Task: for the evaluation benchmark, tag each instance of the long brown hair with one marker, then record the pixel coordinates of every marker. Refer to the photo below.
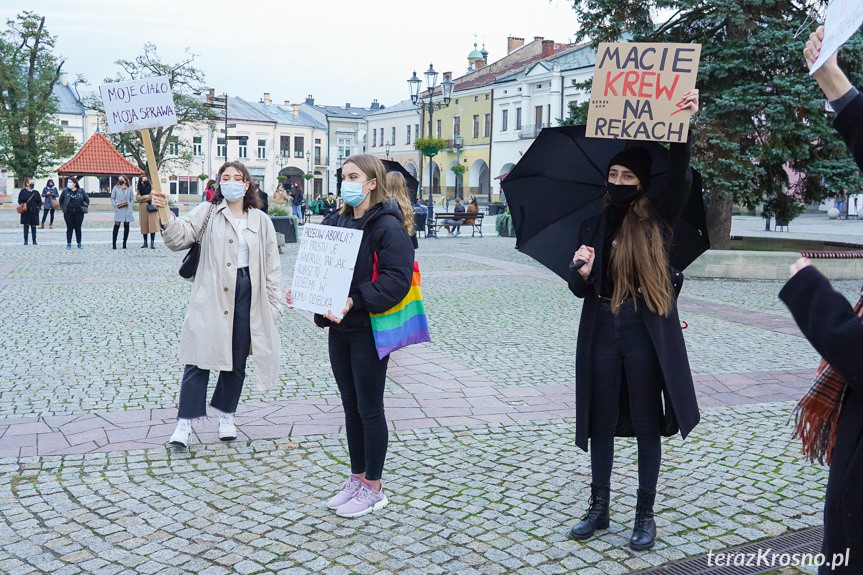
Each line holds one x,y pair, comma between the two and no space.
374,169
638,260
252,199
398,190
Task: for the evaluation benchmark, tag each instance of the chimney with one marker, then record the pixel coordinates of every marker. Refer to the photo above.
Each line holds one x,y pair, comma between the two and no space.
348,106
64,79
513,44
375,104
296,109
210,95
287,102
547,48
310,100
537,38
267,99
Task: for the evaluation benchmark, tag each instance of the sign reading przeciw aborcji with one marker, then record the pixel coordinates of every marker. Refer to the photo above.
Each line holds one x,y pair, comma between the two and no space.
638,88
324,268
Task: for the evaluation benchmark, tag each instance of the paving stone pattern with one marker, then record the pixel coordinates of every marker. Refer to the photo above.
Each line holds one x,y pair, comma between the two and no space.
482,471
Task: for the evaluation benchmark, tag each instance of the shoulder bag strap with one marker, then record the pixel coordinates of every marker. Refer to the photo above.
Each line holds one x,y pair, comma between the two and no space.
204,227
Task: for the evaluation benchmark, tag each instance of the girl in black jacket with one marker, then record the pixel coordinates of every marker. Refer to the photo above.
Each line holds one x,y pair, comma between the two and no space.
360,375
830,416
630,353
30,219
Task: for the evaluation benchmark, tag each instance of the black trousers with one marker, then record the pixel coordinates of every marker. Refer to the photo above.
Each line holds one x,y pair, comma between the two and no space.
45,215
32,229
623,348
229,386
74,219
361,378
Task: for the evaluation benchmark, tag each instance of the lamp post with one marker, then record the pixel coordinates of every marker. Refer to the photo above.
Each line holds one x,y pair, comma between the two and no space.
387,147
282,159
309,172
458,176
425,102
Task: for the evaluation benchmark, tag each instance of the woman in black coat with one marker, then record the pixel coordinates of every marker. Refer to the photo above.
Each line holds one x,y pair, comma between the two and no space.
830,419
382,278
30,219
632,374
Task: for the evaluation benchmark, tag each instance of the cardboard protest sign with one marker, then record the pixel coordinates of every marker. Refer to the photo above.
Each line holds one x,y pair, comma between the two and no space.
138,104
637,88
843,18
324,268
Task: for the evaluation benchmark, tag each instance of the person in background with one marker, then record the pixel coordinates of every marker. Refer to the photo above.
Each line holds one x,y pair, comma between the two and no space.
209,190
29,197
297,202
49,193
235,301
74,202
122,199
280,196
265,199
398,191
329,204
455,222
472,208
829,418
382,277
148,214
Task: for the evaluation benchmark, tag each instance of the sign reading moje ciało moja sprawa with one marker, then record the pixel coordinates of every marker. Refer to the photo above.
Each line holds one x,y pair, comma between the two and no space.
324,268
638,88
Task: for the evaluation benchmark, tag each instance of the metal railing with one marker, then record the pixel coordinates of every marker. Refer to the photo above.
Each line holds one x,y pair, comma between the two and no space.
529,131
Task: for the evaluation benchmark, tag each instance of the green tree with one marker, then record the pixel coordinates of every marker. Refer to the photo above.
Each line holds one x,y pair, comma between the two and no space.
187,84
31,142
760,110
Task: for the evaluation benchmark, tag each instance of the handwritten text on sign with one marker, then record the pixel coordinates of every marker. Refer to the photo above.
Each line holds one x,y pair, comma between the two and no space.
138,104
637,88
843,18
324,268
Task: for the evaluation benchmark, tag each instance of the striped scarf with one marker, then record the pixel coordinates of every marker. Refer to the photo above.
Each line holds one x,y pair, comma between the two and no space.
817,413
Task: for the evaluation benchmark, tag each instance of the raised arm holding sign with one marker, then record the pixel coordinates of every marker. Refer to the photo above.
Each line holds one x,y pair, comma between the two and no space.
140,105
639,91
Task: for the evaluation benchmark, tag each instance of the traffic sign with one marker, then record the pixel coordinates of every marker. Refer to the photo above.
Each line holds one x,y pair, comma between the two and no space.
244,138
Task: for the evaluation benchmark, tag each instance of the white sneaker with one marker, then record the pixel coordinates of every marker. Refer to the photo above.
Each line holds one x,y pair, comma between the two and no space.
457,234
227,429
181,434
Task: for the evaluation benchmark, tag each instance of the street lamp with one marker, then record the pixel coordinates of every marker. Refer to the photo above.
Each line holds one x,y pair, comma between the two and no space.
282,160
458,176
309,172
387,146
425,102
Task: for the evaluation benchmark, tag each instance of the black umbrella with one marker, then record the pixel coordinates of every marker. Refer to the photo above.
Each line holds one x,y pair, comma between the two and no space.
559,183
392,166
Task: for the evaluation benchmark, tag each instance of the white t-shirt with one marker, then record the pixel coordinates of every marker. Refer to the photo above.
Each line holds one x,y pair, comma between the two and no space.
243,258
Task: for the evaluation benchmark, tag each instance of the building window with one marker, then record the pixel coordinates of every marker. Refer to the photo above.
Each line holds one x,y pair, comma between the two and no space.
374,138
408,141
538,116
197,146
244,148
317,140
476,98
299,147
393,141
284,145
173,147
456,126
64,122
220,147
504,120
486,96
262,149
548,114
344,149
518,118
438,128
416,131
486,125
476,125
318,154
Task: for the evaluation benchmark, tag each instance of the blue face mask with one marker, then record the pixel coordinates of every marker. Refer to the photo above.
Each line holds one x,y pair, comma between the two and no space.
70,185
232,191
352,193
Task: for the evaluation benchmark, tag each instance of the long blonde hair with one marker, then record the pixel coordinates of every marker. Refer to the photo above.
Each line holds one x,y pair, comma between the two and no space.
638,259
373,168
398,190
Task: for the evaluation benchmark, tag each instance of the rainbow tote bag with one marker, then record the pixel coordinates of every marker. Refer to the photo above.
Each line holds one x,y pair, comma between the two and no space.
405,323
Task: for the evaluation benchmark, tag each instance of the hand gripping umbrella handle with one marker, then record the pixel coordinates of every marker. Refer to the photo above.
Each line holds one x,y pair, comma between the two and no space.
574,267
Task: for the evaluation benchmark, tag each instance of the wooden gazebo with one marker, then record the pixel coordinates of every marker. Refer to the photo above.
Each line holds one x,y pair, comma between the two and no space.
98,157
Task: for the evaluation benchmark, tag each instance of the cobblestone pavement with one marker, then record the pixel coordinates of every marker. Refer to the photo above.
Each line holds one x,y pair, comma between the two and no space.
482,474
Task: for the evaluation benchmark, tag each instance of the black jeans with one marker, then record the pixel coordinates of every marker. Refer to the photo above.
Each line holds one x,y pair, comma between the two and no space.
28,227
74,219
229,386
623,347
45,215
361,378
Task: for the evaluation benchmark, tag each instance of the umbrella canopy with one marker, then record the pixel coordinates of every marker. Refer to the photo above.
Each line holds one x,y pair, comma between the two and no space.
560,182
391,166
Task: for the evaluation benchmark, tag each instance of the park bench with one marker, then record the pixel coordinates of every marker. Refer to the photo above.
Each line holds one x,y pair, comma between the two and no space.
439,218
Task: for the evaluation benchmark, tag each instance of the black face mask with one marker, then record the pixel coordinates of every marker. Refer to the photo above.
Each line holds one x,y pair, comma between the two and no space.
621,195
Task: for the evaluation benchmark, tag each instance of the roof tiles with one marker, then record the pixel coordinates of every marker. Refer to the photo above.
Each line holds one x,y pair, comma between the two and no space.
98,157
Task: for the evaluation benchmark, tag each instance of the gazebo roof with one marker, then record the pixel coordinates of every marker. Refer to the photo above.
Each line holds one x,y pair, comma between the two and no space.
98,157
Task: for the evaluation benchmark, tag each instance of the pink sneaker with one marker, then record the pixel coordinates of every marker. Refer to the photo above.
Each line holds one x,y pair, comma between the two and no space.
364,501
351,486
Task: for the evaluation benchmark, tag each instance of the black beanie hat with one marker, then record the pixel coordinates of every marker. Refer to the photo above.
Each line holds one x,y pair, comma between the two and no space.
636,159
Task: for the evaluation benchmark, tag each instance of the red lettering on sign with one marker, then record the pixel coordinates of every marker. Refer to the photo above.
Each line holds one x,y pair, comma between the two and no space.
629,82
609,83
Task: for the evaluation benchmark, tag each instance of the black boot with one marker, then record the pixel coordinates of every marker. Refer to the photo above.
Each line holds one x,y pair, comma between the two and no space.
153,241
145,241
597,513
644,532
114,240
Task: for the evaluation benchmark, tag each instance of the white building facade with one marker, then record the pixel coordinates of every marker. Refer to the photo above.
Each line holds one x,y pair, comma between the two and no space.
392,133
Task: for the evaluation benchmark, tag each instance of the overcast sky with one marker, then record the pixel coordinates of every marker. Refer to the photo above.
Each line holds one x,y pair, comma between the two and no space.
338,50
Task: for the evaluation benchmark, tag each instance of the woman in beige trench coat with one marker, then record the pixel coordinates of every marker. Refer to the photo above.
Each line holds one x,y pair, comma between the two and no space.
149,219
235,305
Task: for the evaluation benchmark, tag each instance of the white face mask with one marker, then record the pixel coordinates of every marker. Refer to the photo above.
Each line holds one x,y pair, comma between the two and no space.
232,191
